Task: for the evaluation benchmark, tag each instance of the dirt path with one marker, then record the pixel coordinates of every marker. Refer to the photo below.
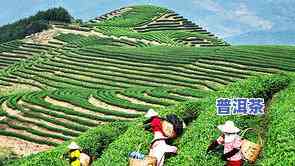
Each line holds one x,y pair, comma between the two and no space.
69,105
147,69
80,109
30,121
20,102
163,17
95,33
203,70
9,110
50,116
90,79
62,113
46,36
42,37
15,88
10,54
234,65
115,13
136,101
98,103
182,96
22,147
145,94
28,134
152,81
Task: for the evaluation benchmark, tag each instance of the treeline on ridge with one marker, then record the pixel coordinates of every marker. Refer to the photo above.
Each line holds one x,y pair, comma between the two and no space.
33,24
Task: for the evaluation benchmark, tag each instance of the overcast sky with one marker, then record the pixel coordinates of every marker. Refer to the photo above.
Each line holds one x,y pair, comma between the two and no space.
223,17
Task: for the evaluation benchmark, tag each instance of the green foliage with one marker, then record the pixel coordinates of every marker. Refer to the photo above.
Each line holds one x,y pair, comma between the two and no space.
196,139
33,24
110,97
190,92
158,76
93,141
137,15
128,24
112,67
279,146
55,14
80,98
117,153
139,93
81,41
37,98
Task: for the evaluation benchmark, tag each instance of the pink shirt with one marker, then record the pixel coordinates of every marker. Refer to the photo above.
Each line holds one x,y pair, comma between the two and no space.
160,148
230,146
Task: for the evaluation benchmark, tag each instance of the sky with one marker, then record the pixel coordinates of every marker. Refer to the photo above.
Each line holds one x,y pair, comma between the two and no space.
225,18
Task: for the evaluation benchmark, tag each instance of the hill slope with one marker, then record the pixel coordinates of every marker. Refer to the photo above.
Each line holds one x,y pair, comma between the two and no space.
156,24
33,24
93,83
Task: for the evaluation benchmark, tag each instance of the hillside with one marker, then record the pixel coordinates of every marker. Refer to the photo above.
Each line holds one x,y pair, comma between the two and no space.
93,83
156,24
33,24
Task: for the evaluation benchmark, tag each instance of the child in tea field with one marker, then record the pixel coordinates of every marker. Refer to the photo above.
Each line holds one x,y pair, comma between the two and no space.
232,144
76,157
159,147
165,129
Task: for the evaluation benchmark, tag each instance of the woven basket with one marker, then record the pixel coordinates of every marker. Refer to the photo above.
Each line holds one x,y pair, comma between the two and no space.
168,129
151,160
136,162
251,150
148,161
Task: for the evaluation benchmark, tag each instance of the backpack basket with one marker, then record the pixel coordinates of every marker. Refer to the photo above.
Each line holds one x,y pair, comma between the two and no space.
147,161
251,150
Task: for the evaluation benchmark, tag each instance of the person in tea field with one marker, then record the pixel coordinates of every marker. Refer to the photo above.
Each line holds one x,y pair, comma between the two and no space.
76,156
232,144
159,146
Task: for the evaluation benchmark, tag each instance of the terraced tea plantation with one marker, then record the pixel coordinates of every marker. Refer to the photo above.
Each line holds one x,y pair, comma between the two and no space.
94,83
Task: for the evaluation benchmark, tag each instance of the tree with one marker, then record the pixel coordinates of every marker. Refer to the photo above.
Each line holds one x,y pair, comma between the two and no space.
33,24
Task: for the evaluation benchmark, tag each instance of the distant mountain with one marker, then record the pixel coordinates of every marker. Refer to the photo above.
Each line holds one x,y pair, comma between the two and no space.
264,37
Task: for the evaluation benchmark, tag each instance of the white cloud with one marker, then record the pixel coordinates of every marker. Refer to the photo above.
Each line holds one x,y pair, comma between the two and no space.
209,5
244,15
226,32
241,14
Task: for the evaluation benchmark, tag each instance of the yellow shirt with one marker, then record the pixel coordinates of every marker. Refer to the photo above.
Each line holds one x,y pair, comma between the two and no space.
76,163
75,154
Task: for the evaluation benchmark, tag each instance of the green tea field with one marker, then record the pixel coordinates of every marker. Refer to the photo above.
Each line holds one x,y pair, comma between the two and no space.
93,83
